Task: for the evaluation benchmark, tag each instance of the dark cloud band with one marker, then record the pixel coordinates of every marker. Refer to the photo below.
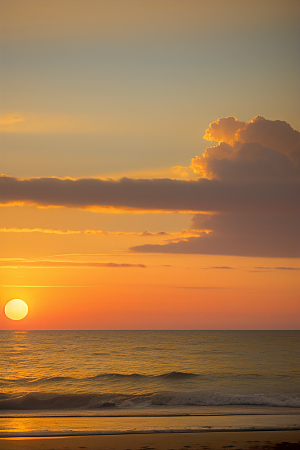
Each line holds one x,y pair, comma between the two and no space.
156,194
259,235
68,264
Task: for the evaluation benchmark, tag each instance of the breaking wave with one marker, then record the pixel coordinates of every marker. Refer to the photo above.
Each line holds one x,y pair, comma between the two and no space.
42,401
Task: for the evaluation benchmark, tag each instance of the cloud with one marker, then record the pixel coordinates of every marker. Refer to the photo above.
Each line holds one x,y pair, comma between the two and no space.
277,268
173,235
224,129
151,195
258,150
67,264
182,173
275,134
175,172
39,230
242,162
247,154
248,183
199,287
259,235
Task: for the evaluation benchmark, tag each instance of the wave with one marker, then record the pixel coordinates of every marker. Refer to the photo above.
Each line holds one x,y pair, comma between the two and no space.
107,376
172,376
167,376
116,376
31,380
178,375
42,401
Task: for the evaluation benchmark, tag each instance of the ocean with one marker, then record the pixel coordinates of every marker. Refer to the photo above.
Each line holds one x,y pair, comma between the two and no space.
56,383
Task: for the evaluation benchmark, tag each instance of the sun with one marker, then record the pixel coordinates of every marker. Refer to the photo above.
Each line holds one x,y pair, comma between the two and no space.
16,309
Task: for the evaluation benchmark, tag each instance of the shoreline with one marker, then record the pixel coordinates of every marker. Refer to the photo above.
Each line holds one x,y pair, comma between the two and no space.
39,427
194,411
214,440
208,429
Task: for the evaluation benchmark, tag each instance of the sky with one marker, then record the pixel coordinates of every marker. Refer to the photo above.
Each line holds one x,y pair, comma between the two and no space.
150,163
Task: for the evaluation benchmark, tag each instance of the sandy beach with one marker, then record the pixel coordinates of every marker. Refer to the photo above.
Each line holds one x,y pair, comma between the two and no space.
253,440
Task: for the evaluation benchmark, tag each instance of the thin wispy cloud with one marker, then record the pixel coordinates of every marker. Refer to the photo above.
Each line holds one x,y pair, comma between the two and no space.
68,264
200,287
173,235
277,268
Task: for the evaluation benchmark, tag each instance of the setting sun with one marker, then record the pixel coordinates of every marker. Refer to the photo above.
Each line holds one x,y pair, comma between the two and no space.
16,309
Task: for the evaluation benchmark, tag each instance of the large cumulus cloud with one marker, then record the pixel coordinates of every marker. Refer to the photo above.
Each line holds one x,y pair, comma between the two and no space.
275,134
258,150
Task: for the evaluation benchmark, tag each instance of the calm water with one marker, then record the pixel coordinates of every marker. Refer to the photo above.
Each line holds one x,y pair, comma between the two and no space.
110,373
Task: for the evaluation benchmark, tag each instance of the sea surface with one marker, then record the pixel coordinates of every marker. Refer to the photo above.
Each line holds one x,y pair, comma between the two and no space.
108,382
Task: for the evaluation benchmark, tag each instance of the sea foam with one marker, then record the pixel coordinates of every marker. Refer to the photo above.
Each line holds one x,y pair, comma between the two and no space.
51,401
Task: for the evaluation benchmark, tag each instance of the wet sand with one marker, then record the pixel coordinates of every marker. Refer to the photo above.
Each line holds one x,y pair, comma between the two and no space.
250,440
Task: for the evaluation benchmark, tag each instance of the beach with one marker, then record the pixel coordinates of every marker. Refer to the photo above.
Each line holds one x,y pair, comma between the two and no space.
252,440
149,390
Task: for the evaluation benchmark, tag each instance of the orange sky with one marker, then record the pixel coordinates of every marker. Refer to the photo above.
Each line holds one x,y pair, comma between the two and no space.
201,233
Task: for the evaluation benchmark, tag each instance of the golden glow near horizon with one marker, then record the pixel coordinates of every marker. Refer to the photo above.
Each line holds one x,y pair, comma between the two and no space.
16,309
